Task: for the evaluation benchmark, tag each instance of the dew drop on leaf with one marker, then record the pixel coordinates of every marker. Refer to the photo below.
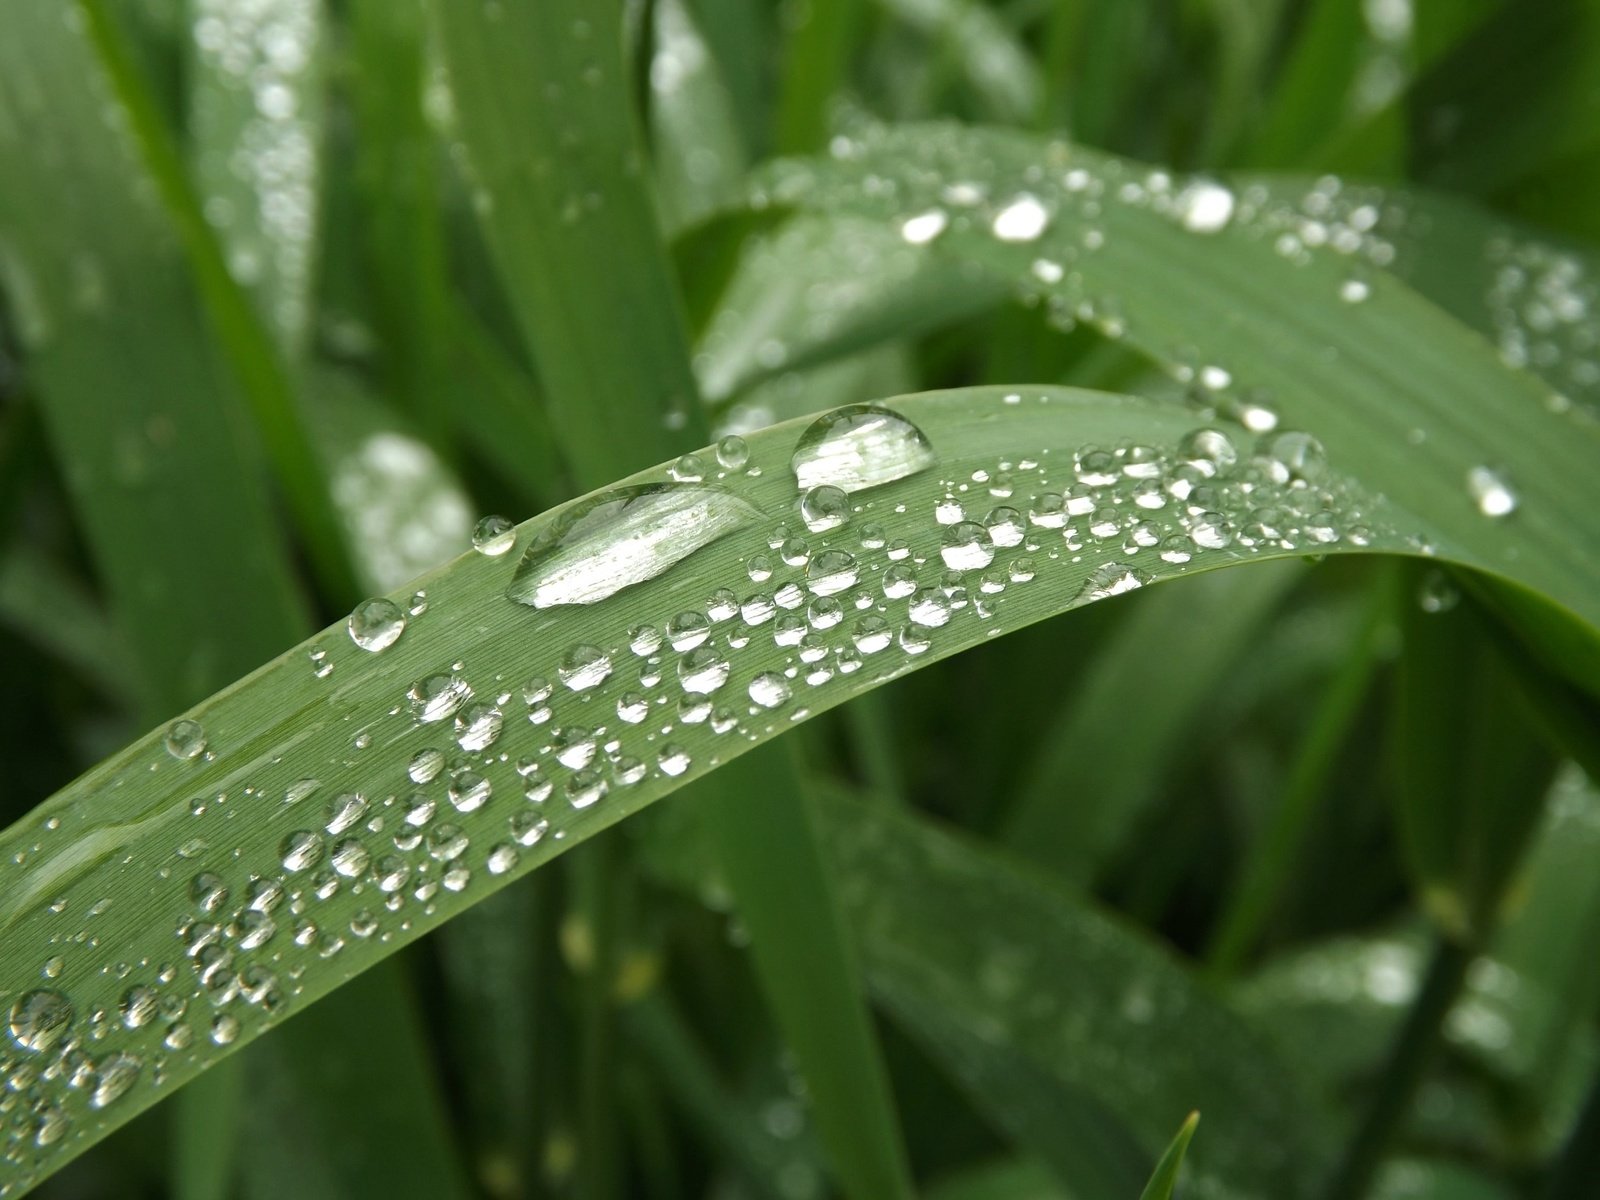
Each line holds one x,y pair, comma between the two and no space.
493,536
376,624
860,446
185,740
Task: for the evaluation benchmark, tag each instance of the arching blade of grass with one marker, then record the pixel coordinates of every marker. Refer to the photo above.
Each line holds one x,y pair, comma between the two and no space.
1006,978
1281,334
286,743
700,155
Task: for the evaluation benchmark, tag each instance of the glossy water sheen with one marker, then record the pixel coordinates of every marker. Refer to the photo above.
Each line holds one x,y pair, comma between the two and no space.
623,537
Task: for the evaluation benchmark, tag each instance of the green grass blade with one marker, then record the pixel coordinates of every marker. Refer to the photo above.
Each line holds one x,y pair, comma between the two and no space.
996,65
758,818
256,118
354,729
1020,1179
972,952
1257,327
700,155
1075,805
1166,1173
239,335
107,309
542,114
43,604
816,63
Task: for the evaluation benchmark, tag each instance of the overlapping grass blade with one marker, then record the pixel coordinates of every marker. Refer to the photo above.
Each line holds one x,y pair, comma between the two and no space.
1166,1172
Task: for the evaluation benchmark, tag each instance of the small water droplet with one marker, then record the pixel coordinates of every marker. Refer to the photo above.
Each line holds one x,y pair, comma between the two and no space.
376,624
185,740
823,508
966,547
117,1075
437,696
769,689
40,1019
1491,492
584,667
1205,206
425,766
922,228
1111,579
732,453
493,536
831,572
301,850
703,671
689,469
1022,220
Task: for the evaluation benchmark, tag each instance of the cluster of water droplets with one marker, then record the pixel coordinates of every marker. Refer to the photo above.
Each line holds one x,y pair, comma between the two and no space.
488,769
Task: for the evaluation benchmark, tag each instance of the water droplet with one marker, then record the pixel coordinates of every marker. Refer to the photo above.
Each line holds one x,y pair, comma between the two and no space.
703,671
1490,492
40,1019
502,858
437,697
1209,451
1437,593
584,667
425,766
831,572
899,581
376,624
871,634
446,842
118,1074
185,740
929,607
623,537
586,788
478,727
732,453
301,850
673,759
575,747
1292,457
1205,206
528,828
769,689
966,547
224,1029
1354,290
859,446
1023,220
1111,579
493,536
345,811
924,227
823,508
468,791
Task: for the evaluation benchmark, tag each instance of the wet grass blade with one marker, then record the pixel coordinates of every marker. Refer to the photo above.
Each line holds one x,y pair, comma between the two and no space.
298,739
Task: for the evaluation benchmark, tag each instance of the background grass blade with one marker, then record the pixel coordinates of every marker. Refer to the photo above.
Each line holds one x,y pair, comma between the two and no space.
1166,1173
957,944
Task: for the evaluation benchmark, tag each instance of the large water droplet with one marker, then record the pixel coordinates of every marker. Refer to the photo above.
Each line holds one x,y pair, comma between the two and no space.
40,1019
376,624
623,537
437,697
860,446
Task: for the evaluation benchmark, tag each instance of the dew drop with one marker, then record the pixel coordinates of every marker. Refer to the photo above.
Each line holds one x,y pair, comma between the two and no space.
922,228
478,728
493,536
966,547
673,759
824,507
425,766
732,453
1205,206
301,850
376,624
1491,492
1111,579
584,667
703,671
859,446
437,696
1023,220
831,572
185,740
117,1075
40,1019
769,689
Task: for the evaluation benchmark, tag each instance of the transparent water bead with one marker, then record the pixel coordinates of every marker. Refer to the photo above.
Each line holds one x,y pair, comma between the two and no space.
769,689
376,624
732,453
860,446
1491,492
824,508
966,547
584,667
623,537
831,572
493,536
40,1019
1111,579
117,1075
1022,220
1205,206
437,696
186,740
